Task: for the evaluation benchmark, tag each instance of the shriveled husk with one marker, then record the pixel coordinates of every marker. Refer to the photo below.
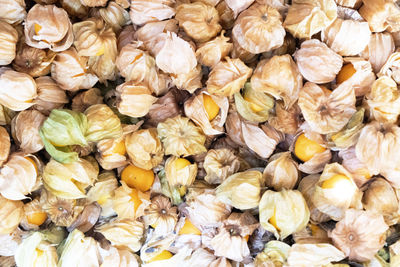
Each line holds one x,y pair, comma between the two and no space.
326,111
199,20
181,137
119,258
166,107
103,191
49,95
19,176
115,15
336,200
5,145
8,42
33,61
230,241
179,177
285,120
308,17
144,11
259,29
124,205
144,148
391,67
36,251
358,170
75,8
123,233
195,110
289,209
274,254
381,15
360,234
11,214
69,70
70,180
85,99
213,51
303,255
102,123
219,164
135,100
161,215
13,11
281,172
279,77
226,15
347,37
17,89
379,49
317,62
190,81
48,26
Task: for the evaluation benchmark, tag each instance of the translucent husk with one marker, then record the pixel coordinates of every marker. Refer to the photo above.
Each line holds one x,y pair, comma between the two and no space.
10,243
143,11
228,77
379,49
75,8
391,67
54,31
179,177
31,208
274,254
394,250
349,3
213,51
13,11
381,15
307,17
119,258
336,200
360,234
279,77
124,205
17,89
201,256
190,81
219,164
8,42
102,123
259,29
85,99
312,234
5,145
49,95
11,214
313,255
161,215
103,191
289,209
358,170
115,15
317,62
281,172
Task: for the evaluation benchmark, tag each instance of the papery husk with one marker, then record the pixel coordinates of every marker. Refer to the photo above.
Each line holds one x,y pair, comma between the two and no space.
144,148
195,110
56,36
181,137
241,53
33,61
213,51
285,120
274,254
8,43
201,256
49,95
69,180
87,219
349,3
326,111
317,62
219,164
190,81
228,77
383,101
119,258
358,170
143,11
226,15
5,145
230,241
103,191
115,15
175,260
126,36
25,128
379,49
289,209
179,177
69,70
279,77
334,201
394,250
199,20
360,234
93,3
161,215
238,6
259,29
107,157
13,11
241,190
11,214
391,67
124,207
303,255
307,17
281,172
75,8
31,208
19,176
36,251
288,46
312,234
103,123
221,262
347,37
135,100
85,99
381,15
10,243
17,89
6,115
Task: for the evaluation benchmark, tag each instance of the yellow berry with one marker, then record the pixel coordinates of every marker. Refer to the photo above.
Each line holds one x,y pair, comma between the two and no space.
305,148
135,198
138,178
164,255
119,148
189,229
37,28
36,218
34,164
337,180
181,163
254,107
212,109
345,73
272,221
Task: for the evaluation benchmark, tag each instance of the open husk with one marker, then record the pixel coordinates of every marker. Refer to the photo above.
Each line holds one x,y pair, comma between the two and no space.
281,172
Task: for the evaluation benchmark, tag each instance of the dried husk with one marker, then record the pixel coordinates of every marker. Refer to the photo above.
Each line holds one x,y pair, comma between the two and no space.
49,95
124,205
13,11
289,209
238,6
226,15
381,15
69,70
201,256
199,20
8,43
349,3
11,214
179,177
303,255
317,62
87,219
85,99
161,215
181,137
48,26
347,37
228,77
115,15
103,191
10,243
379,49
219,164
144,11
119,258
391,67
279,77
312,234
336,200
175,260
307,17
190,81
358,170
75,8
126,36
213,51
17,89
285,120
5,145
93,3
326,111
31,208
259,29
110,156
281,172
274,254
135,100
103,123
360,234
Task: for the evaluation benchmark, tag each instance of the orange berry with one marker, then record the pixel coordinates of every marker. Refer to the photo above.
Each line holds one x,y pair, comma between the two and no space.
305,148
189,229
345,73
212,109
36,218
138,178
